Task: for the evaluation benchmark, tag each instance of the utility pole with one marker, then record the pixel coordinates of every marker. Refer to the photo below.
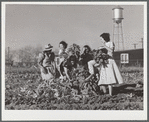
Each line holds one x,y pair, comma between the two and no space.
134,46
142,42
8,54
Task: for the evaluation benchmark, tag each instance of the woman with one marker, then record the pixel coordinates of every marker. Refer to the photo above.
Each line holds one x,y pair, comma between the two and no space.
63,56
47,64
70,66
94,67
110,73
86,56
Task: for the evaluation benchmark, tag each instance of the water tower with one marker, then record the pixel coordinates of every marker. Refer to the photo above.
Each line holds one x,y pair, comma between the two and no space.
117,28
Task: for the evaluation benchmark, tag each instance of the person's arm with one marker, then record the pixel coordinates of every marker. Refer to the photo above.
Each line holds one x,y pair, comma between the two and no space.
91,70
110,48
40,60
40,63
83,51
98,64
89,77
52,56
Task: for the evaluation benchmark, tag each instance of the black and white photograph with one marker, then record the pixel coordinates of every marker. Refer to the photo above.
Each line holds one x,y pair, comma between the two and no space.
74,60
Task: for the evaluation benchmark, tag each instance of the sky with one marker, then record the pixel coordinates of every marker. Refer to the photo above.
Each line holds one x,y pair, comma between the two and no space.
38,25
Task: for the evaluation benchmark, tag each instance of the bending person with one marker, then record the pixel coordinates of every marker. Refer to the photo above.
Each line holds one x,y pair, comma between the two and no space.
86,56
70,66
47,64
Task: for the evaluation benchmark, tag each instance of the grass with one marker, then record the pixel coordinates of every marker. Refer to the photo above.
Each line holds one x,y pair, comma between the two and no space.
131,69
21,69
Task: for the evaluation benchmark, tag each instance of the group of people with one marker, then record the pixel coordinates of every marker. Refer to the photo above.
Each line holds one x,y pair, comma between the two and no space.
107,73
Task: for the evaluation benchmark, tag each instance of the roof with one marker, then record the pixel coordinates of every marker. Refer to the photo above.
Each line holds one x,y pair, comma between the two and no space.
128,50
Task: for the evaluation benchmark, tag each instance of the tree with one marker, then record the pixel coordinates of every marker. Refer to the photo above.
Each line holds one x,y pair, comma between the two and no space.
9,54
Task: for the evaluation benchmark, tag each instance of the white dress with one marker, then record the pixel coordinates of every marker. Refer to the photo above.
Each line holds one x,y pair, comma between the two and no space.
110,74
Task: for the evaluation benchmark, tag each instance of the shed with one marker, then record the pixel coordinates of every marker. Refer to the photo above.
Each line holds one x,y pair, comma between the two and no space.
132,57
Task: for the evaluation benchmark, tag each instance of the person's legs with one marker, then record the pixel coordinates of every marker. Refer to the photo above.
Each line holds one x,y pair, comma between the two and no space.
110,90
61,70
103,89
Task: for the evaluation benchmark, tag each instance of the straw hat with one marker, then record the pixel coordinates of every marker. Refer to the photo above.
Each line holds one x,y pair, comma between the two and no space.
48,47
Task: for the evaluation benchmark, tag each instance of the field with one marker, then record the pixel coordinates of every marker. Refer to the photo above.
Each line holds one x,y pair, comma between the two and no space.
25,90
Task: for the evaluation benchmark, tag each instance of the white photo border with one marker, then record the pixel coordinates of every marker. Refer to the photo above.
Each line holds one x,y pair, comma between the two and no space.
73,114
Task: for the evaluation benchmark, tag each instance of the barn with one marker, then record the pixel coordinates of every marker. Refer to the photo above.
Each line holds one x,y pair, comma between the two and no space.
133,57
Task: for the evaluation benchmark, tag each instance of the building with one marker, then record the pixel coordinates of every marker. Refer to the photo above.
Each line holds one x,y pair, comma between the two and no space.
132,57
8,62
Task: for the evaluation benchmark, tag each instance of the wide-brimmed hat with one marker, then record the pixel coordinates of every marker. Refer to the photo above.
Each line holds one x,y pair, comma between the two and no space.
48,47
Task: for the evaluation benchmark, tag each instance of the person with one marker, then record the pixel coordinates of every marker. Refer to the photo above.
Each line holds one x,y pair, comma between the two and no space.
85,56
70,66
63,57
47,64
94,67
109,74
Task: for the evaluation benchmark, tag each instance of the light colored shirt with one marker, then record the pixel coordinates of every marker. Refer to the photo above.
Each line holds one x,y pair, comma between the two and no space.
44,59
110,45
62,55
91,66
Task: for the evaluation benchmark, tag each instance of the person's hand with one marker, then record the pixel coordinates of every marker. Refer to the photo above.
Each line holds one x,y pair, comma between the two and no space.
62,77
101,60
97,76
96,65
83,50
70,80
80,59
101,47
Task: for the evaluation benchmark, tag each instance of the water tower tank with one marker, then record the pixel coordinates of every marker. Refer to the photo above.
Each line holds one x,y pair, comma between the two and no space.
117,14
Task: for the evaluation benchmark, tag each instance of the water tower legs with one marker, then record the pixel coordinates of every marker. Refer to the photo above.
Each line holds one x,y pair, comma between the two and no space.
118,36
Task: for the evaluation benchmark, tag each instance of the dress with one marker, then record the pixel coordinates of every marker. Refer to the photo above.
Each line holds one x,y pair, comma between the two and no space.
48,71
110,74
63,58
62,55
